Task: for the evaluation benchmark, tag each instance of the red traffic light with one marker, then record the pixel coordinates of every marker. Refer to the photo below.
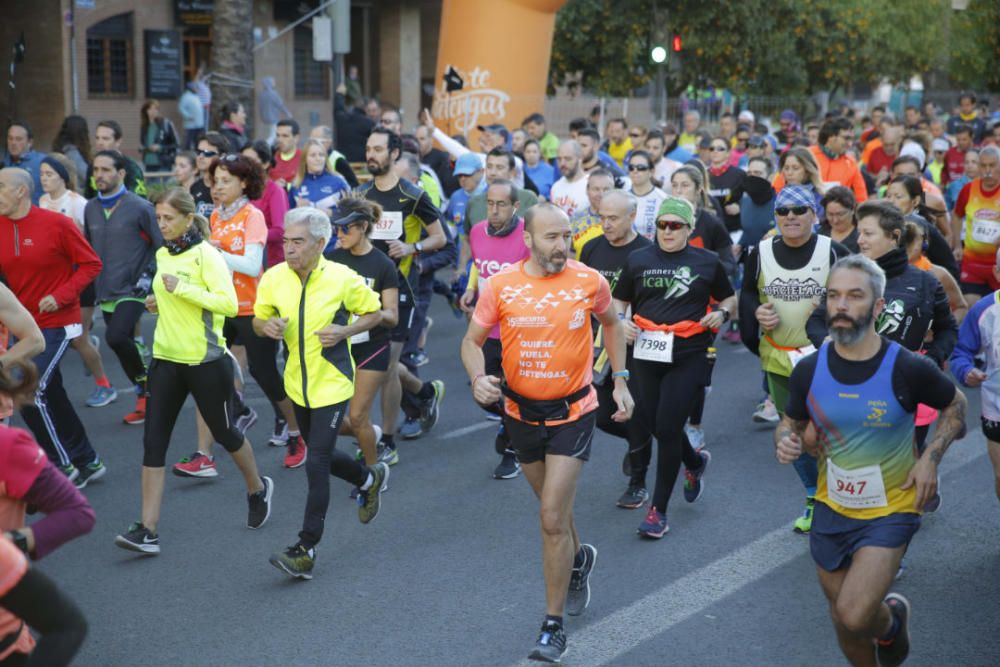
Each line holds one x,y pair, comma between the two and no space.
676,43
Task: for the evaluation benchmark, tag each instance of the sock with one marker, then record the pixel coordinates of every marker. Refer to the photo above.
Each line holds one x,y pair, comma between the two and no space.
426,392
293,434
103,382
387,440
810,492
368,482
553,620
580,559
893,629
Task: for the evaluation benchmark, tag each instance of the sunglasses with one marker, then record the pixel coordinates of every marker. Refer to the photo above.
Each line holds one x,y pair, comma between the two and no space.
718,149
672,225
638,167
785,210
230,157
346,229
207,153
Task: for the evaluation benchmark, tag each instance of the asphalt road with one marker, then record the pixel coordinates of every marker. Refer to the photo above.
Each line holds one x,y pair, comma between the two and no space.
450,572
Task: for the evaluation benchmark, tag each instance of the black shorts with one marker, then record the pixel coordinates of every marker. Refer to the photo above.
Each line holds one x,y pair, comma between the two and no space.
991,429
88,297
406,309
371,356
834,538
532,442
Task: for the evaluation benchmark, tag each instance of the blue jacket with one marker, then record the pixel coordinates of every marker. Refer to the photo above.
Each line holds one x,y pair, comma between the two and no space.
975,337
323,190
31,162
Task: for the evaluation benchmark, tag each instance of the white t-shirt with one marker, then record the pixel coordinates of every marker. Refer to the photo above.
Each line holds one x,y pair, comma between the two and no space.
570,197
664,169
645,212
71,204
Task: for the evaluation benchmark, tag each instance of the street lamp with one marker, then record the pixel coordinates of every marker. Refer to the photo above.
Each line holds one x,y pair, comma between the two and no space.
658,54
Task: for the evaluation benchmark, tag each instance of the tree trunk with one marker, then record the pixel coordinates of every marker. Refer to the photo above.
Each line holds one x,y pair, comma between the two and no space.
231,62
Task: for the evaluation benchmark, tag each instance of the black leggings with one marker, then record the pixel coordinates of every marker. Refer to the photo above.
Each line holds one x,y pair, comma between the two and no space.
635,431
210,383
53,615
120,332
666,395
262,355
319,427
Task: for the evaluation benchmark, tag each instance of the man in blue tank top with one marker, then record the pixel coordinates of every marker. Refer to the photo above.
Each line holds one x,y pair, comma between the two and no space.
851,405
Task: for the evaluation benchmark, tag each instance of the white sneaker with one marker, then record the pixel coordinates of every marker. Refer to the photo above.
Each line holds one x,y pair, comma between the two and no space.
766,413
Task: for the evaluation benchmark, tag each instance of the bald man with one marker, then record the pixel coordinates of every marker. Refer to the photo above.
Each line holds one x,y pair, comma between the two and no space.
570,192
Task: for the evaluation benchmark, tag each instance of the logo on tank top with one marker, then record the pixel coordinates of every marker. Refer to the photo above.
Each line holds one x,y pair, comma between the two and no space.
878,409
794,289
891,317
578,320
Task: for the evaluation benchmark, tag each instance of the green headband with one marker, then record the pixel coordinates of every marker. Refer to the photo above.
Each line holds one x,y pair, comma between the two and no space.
679,207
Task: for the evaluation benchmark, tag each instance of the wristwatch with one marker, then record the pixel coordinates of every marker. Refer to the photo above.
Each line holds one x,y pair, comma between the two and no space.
418,248
19,539
726,315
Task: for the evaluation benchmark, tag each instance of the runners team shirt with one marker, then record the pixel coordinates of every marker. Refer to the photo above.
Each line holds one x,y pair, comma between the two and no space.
571,197
545,331
794,293
673,287
585,225
379,273
863,412
245,228
493,254
981,210
406,210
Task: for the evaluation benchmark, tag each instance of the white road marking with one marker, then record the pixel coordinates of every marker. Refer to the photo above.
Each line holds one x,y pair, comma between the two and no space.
622,631
458,433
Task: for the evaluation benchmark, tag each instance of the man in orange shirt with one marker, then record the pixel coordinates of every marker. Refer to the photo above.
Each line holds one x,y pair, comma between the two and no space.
544,306
836,167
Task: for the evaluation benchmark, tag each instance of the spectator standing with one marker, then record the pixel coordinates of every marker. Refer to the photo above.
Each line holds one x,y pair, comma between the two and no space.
73,141
158,138
192,116
271,107
21,154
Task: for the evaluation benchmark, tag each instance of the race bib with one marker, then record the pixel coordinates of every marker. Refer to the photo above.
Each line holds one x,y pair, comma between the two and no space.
985,231
795,356
358,338
390,227
654,346
861,488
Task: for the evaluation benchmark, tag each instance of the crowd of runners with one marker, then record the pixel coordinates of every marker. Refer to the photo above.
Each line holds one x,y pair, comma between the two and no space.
859,258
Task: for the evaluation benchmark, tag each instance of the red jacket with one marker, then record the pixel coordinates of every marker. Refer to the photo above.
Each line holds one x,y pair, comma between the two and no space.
44,253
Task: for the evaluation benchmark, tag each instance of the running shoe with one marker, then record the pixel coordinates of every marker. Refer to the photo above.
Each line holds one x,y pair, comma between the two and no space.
296,561
419,358
101,396
901,570
196,465
369,501
139,539
70,471
732,336
693,486
296,454
91,472
578,596
360,456
387,455
96,342
260,504
432,409
766,413
654,525
137,416
894,651
804,523
635,496
492,416
245,420
508,468
696,435
411,429
279,436
551,644
501,443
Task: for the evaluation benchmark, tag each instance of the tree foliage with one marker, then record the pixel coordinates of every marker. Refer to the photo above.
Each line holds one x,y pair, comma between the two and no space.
975,46
759,46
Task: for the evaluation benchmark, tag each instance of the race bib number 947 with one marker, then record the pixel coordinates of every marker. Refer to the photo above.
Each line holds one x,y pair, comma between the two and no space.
860,488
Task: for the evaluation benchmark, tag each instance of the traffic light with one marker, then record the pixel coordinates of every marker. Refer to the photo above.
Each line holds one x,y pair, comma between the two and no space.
676,43
658,54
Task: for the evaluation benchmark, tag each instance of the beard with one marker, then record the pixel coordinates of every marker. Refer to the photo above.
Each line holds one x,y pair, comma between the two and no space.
378,168
554,262
851,334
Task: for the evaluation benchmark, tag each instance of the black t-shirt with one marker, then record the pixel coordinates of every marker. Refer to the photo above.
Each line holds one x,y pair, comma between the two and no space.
671,287
202,195
711,234
727,187
379,273
914,379
850,241
608,260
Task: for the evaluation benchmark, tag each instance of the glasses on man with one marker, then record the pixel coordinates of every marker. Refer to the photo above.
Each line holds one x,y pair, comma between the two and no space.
638,167
785,210
672,225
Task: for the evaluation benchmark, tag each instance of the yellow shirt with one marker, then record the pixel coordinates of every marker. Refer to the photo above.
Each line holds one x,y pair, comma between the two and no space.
619,151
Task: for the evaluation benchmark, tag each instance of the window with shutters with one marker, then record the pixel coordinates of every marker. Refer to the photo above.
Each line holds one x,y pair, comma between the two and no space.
110,63
312,78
